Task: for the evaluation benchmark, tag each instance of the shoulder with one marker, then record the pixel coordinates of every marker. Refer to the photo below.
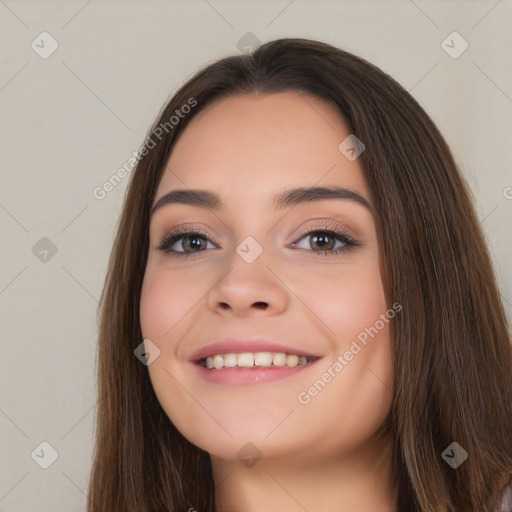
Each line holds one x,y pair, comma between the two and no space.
504,503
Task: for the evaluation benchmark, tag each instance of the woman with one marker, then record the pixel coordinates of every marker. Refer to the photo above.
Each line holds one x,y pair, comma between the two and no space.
300,312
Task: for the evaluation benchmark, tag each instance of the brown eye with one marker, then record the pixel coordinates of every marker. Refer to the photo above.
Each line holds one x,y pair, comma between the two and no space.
184,243
323,242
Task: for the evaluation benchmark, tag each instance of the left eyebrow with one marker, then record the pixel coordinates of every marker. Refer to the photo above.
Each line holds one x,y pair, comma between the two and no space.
292,197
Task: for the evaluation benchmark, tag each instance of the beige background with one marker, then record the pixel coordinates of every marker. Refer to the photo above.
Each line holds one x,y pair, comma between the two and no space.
70,120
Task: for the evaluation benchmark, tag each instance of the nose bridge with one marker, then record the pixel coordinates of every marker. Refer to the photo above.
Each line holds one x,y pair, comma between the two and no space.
253,248
250,231
250,249
248,282
248,264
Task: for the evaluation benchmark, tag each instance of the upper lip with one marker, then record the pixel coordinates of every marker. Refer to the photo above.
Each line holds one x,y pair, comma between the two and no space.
238,346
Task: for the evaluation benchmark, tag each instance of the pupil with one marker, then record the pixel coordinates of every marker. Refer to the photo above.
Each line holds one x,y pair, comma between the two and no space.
322,239
195,242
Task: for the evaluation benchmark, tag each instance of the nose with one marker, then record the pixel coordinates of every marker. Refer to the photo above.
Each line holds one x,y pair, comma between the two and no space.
257,305
249,289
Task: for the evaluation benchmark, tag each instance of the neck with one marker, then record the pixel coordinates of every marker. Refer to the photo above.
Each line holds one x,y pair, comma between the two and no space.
361,480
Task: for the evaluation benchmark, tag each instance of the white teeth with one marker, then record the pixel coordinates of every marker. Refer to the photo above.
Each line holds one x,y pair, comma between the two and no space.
218,362
279,359
263,359
260,359
292,360
230,360
246,360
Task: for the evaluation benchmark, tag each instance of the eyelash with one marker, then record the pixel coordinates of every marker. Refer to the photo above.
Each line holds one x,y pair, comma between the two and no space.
329,228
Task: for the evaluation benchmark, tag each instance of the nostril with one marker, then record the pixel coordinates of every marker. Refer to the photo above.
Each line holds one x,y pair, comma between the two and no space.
261,305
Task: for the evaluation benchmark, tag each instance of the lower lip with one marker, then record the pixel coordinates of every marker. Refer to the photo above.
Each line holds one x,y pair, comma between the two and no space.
252,375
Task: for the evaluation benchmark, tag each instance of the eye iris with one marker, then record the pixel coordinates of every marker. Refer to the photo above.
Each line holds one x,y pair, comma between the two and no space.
321,239
194,242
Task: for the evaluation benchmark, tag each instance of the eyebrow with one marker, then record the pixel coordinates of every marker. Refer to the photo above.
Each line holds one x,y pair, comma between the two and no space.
211,200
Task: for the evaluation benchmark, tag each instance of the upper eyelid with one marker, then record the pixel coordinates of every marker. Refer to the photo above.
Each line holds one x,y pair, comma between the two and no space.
320,223
181,234
336,229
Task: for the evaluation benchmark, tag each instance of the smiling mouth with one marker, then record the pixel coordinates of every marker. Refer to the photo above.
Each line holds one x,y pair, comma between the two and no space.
255,360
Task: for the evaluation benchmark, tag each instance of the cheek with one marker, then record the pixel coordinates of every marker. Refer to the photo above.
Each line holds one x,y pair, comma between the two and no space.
351,304
164,302
347,299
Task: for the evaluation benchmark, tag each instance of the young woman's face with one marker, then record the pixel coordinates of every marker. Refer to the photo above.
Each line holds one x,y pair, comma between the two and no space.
271,277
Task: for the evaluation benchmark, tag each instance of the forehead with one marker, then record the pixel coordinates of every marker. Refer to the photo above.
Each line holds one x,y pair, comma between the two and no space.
249,146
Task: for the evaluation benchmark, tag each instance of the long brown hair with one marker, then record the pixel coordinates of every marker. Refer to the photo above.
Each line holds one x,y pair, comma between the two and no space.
452,349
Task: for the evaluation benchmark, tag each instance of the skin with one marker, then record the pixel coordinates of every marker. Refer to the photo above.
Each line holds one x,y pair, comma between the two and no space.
322,456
